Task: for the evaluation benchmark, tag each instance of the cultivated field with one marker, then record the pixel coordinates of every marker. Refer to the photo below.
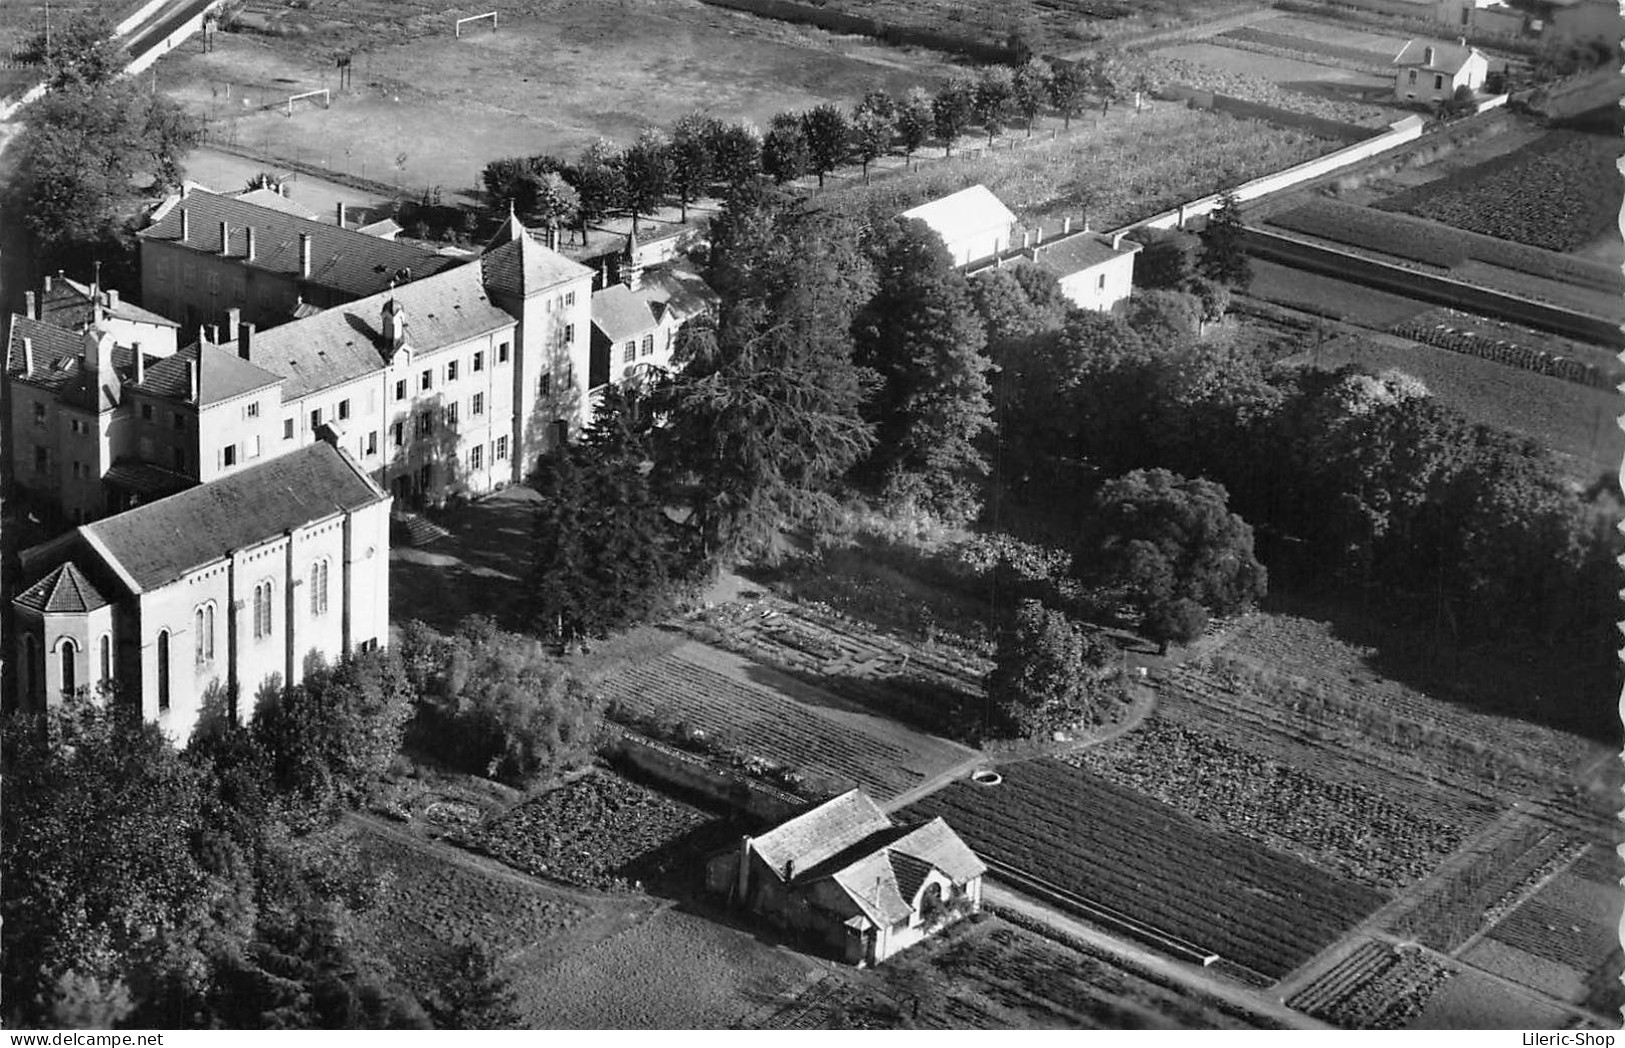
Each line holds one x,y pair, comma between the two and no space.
600,831
1258,909
767,713
989,974
1329,297
543,83
1051,25
1559,192
1576,423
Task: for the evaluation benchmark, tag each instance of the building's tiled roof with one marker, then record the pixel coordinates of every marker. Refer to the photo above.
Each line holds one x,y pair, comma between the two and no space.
276,202
387,228
965,214
70,304
56,353
871,883
883,873
621,313
161,541
816,835
345,260
146,480
516,263
345,342
1078,252
936,844
64,590
1447,57
222,375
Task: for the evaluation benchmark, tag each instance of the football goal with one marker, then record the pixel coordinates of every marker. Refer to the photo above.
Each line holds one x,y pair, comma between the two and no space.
461,22
310,97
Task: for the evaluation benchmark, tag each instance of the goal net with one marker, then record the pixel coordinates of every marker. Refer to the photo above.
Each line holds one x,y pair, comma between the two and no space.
318,98
468,22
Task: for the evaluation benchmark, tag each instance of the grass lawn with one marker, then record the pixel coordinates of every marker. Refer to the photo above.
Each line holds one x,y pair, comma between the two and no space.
548,82
1329,296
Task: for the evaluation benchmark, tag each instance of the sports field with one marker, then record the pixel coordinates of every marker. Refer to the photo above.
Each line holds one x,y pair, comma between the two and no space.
431,109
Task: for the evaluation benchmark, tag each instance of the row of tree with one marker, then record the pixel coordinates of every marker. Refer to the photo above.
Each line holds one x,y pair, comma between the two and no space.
699,152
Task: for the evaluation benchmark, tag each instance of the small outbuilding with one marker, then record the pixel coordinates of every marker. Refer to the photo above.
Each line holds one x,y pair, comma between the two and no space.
847,876
1430,71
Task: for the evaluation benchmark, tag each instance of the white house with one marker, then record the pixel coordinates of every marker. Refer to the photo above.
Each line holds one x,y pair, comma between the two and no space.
1430,71
973,223
1095,271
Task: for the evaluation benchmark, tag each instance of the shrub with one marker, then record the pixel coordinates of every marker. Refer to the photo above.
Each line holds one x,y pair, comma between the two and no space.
1047,673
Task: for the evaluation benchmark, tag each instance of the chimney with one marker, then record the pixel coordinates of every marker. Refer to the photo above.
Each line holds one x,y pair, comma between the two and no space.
234,318
304,254
225,238
140,364
245,340
1038,235
1461,41
186,225
30,306
47,283
202,336
112,298
1117,241
214,334
1427,56
338,209
1026,239
1066,225
248,243
192,370
28,353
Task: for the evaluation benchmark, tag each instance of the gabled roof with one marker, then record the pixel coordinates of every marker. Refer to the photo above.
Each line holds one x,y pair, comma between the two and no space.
936,844
64,590
882,875
621,313
71,304
965,214
345,260
387,228
516,263
159,542
276,202
1079,251
222,375
813,836
344,343
56,353
1447,57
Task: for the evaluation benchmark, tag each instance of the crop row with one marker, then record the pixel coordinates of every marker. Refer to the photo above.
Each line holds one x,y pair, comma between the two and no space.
761,721
1340,826
1558,193
1115,847
1475,895
1599,864
1392,994
1558,934
600,831
1501,351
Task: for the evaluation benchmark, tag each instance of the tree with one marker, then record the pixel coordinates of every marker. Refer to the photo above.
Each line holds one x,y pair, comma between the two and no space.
995,94
80,53
921,334
1224,252
599,180
263,180
827,133
555,202
872,133
1047,674
1032,89
1067,84
498,704
736,153
602,552
1166,318
785,155
952,109
476,996
1104,73
763,414
88,156
1177,621
914,122
880,103
1167,259
646,167
1163,537
690,156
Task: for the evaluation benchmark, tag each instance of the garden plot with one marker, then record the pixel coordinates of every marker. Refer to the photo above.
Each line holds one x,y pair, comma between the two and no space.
1472,1000
1377,987
600,831
936,686
1258,909
764,713
1316,34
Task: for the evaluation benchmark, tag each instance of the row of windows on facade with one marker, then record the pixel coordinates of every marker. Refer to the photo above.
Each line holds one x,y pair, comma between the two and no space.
203,617
82,426
1438,80
68,655
631,352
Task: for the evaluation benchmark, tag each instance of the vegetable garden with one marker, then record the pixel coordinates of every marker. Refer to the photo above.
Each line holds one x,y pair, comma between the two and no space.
1558,193
1258,909
1377,987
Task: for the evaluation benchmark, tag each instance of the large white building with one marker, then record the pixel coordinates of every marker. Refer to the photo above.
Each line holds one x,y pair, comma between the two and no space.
234,585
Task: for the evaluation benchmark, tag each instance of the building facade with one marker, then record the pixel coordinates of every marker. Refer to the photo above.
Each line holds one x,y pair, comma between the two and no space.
229,587
1429,72
1094,271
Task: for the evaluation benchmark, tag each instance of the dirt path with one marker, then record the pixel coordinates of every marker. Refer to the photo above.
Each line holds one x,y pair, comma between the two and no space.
1261,1003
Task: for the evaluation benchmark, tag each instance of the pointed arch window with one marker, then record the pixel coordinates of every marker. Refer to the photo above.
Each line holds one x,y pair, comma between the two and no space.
163,670
70,659
318,587
107,659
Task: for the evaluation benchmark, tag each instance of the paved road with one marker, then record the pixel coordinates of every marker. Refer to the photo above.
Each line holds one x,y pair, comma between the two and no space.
1258,1002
